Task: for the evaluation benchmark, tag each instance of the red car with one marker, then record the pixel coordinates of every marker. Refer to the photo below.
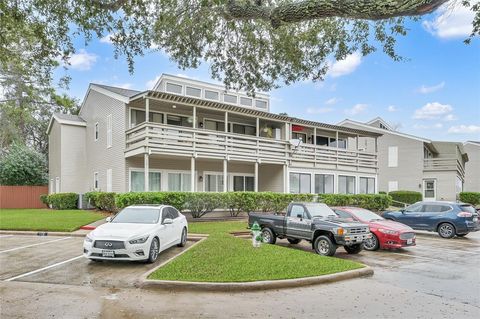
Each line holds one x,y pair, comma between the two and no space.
387,234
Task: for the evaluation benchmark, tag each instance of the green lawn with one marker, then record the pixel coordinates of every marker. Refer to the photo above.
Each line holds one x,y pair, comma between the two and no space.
46,219
224,258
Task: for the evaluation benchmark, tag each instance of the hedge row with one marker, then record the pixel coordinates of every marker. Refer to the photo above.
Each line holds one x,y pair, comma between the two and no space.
407,197
472,198
375,202
60,200
102,200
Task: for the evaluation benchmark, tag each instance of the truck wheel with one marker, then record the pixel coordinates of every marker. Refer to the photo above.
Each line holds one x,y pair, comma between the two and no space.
354,249
324,246
268,236
294,241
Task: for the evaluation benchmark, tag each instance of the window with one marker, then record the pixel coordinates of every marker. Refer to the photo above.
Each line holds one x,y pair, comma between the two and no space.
299,136
323,184
346,184
173,212
243,183
137,181
261,104
342,143
109,131
392,186
211,95
174,88
95,132
432,208
109,180
228,98
322,140
214,182
300,183
244,129
138,116
179,120
393,156
414,208
95,181
179,182
383,126
297,211
214,125
193,92
367,185
246,101
429,191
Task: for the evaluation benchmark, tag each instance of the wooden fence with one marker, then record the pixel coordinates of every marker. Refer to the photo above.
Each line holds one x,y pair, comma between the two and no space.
22,196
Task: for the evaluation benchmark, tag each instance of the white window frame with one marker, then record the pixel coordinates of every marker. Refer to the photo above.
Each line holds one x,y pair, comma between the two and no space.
109,131
230,177
230,128
325,174
142,170
109,180
205,95
374,184
195,88
312,180
96,132
173,83
355,186
213,120
393,156
130,124
96,180
205,173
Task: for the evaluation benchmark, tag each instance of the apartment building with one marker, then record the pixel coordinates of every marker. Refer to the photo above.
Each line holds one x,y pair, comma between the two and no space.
189,135
407,162
472,167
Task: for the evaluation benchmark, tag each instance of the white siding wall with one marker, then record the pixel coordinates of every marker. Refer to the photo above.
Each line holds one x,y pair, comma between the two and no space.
472,168
73,159
54,157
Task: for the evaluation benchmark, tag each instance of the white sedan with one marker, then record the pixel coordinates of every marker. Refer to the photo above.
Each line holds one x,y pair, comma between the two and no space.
137,233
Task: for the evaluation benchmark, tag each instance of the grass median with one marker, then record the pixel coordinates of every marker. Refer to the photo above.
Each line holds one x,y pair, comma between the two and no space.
224,258
46,219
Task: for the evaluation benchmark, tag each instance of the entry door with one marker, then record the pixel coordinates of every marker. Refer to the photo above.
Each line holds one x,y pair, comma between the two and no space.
429,189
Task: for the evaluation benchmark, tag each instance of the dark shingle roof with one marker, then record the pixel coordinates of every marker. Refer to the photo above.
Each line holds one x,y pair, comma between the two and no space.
121,91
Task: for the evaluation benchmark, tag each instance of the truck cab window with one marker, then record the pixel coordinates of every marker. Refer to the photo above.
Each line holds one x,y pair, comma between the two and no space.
297,210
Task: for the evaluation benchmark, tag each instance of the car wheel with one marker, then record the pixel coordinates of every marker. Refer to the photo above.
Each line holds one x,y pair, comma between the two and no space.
354,249
183,241
462,235
268,236
294,241
154,250
372,243
324,246
446,230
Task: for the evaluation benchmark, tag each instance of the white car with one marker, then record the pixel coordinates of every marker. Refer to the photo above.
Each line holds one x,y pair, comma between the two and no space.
137,233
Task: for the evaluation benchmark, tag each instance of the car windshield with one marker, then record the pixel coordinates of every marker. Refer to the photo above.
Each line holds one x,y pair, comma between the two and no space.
320,210
138,216
365,215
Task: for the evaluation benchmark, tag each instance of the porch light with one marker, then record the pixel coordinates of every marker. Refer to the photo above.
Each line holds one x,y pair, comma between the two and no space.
200,124
174,106
200,178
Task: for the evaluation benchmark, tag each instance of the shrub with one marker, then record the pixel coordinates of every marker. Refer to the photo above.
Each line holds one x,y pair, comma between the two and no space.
472,198
408,197
44,199
375,202
175,199
102,200
63,200
21,165
200,204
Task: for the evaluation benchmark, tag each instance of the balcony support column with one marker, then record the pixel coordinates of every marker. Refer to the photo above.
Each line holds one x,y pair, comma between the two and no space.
147,110
256,177
192,174
194,124
225,175
146,164
226,122
286,179
257,127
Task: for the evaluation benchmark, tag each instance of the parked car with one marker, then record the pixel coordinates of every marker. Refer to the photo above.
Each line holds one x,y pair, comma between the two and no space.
316,223
446,218
386,234
137,233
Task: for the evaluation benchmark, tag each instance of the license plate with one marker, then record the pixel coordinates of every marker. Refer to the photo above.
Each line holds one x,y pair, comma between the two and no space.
409,241
108,253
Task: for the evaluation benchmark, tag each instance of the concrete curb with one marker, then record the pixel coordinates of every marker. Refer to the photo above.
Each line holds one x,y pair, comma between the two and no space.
40,233
253,286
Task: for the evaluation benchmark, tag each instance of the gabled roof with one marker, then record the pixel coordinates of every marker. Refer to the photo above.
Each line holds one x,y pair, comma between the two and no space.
67,119
118,90
476,143
379,119
382,131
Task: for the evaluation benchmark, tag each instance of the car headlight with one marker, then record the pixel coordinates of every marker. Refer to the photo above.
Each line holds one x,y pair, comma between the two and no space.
388,231
140,240
88,239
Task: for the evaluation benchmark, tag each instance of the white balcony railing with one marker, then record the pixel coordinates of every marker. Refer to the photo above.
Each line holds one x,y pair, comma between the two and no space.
168,139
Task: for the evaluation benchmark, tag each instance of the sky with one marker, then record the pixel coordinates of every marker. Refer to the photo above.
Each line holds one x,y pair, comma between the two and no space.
434,94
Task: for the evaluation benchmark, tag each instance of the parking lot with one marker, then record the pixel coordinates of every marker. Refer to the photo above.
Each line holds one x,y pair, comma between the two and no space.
437,278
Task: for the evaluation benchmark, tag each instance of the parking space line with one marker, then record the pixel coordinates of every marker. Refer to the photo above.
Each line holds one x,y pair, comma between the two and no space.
4,236
44,268
415,256
33,245
449,241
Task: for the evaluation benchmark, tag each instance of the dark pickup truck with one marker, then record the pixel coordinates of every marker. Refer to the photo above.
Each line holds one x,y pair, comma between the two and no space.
316,223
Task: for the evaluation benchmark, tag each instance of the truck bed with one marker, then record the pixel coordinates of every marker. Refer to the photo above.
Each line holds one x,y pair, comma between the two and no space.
275,221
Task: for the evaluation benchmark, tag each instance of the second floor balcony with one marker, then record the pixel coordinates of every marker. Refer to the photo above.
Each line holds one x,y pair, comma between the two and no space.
444,164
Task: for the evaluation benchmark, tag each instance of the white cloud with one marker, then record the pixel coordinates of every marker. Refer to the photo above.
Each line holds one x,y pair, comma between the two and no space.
429,89
332,101
464,129
452,21
345,66
149,85
319,110
356,109
82,60
432,111
391,108
428,127
107,39
449,118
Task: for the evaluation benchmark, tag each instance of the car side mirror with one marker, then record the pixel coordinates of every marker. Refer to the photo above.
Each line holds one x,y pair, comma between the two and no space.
108,219
167,221
402,211
300,216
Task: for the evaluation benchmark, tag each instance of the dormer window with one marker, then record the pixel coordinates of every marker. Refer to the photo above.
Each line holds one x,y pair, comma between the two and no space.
211,95
190,91
246,101
174,88
229,98
261,104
